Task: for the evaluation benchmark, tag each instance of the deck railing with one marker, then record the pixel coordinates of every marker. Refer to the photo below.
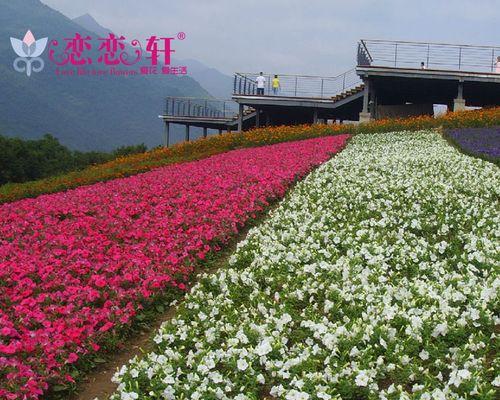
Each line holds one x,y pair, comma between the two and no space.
198,107
435,56
297,85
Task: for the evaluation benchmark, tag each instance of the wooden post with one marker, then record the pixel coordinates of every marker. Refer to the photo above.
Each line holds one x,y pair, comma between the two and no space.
315,116
204,132
187,133
220,131
257,118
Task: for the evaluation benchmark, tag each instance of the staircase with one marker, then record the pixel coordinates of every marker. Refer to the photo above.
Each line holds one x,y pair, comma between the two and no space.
343,95
247,114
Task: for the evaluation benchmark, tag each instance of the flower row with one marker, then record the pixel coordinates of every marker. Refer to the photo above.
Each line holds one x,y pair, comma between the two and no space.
375,278
479,142
77,266
201,148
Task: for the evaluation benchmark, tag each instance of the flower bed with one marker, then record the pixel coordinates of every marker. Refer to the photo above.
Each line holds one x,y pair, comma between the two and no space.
77,266
479,142
375,278
202,148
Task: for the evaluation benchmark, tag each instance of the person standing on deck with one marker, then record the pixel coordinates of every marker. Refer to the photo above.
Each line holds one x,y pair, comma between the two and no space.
276,85
261,84
497,66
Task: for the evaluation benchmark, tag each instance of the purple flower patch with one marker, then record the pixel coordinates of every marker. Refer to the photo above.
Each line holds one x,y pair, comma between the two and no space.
479,142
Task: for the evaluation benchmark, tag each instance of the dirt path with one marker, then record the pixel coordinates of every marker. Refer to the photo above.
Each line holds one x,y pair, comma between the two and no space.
98,382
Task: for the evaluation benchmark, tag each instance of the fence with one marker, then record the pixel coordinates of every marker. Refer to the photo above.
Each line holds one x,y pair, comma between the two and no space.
196,107
439,56
298,85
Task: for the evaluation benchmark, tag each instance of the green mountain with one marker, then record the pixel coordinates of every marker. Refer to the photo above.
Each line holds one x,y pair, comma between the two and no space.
83,112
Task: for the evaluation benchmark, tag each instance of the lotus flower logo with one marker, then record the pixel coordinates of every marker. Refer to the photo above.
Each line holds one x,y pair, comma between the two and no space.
28,51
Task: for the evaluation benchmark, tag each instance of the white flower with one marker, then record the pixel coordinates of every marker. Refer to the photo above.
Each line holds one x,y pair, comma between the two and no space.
457,376
362,379
440,329
129,396
169,393
277,391
438,394
296,395
424,355
263,348
354,352
134,373
242,364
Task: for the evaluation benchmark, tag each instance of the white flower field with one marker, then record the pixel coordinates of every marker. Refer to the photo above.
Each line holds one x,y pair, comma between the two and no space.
375,278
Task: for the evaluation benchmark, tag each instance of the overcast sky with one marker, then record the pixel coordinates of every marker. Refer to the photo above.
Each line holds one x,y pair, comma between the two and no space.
313,37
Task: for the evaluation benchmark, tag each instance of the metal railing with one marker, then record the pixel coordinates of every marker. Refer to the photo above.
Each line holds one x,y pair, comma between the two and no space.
298,85
436,56
198,107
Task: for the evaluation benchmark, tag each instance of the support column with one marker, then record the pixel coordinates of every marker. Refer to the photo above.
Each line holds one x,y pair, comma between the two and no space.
204,132
315,116
364,115
372,105
187,133
257,118
166,139
240,118
459,102
268,119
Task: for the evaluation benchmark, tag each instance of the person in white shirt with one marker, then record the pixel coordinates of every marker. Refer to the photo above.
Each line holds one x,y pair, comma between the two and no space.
497,66
422,65
261,84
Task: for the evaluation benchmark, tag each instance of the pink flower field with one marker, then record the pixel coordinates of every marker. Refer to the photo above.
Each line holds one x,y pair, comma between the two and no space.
78,265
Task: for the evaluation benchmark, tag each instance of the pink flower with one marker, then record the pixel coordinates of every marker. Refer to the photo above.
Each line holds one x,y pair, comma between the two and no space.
73,357
8,349
100,282
79,264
